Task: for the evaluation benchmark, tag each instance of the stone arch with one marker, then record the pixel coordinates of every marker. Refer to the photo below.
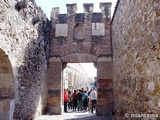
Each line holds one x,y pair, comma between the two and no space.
7,93
79,57
104,81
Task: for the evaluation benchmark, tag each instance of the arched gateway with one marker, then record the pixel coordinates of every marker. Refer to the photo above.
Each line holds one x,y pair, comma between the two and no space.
6,88
82,37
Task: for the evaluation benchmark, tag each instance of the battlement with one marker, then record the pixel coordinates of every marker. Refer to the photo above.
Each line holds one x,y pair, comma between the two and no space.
81,17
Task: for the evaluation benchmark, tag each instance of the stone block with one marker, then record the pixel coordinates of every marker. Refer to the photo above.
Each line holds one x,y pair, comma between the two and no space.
54,101
106,95
104,111
71,10
98,29
6,115
6,106
151,86
103,85
158,12
55,110
55,12
61,30
105,81
6,109
105,90
54,93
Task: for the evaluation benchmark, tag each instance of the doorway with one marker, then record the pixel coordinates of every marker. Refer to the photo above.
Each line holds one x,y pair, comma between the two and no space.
6,87
79,75
56,84
79,79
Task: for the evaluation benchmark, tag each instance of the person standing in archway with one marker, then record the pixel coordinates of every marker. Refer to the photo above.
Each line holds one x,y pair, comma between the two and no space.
85,102
93,97
79,100
65,100
74,100
69,100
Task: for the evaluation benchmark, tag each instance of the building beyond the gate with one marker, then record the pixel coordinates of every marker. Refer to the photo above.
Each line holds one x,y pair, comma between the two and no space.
75,77
34,52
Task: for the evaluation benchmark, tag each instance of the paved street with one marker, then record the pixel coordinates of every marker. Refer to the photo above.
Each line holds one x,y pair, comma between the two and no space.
78,115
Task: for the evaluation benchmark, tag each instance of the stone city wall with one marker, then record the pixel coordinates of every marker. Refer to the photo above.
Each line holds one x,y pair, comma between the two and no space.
136,57
24,32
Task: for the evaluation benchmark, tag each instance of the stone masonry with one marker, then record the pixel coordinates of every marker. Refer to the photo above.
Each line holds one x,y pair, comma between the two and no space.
34,52
24,33
136,58
80,37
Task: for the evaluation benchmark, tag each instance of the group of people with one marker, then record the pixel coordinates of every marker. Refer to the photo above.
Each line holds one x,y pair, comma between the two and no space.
80,100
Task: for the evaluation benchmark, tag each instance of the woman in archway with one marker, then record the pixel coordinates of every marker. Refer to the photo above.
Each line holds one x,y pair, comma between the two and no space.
65,100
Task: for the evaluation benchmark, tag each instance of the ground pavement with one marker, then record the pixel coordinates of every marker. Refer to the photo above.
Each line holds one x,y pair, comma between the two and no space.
76,115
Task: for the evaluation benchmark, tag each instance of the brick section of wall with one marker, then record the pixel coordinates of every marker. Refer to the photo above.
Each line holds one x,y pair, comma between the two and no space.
23,37
104,88
136,53
55,96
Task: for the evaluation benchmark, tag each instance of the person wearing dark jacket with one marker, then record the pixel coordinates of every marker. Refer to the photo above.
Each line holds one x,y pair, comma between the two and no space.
79,100
74,100
85,101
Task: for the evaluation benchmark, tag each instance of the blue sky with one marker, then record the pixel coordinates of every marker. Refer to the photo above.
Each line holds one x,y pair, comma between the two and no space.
47,5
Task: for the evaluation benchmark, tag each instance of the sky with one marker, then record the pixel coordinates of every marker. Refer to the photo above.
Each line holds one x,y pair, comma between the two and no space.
47,5
90,69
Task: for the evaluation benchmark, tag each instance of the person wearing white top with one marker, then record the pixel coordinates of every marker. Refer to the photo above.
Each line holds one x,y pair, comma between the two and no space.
93,98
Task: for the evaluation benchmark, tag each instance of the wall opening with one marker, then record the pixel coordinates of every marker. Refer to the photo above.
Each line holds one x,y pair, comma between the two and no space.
6,87
78,76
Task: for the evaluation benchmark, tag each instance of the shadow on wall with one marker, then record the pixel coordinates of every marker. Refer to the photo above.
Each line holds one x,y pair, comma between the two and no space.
32,76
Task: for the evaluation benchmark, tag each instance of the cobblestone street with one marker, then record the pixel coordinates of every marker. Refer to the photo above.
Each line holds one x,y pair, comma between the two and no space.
78,115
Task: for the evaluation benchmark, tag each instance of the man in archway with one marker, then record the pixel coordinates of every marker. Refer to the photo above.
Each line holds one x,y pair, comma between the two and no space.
93,98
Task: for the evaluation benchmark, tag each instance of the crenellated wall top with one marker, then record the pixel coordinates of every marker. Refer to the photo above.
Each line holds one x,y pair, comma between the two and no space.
88,12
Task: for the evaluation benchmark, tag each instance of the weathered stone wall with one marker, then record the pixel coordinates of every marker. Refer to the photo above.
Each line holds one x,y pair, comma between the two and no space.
24,32
136,57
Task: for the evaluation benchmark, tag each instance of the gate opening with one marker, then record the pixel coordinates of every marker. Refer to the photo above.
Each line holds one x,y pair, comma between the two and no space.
79,79
79,75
